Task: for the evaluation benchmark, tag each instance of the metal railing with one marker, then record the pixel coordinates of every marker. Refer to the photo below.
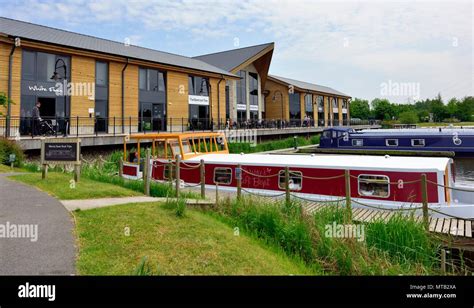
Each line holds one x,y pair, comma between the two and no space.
81,126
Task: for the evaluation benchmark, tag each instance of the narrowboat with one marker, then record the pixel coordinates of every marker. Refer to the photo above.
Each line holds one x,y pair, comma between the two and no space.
459,141
384,182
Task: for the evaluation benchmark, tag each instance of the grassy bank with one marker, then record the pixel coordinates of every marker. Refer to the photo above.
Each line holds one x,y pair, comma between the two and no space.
445,124
400,246
272,145
195,244
61,186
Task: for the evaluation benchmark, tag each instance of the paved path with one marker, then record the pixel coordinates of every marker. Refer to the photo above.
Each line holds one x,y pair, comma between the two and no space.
54,252
88,204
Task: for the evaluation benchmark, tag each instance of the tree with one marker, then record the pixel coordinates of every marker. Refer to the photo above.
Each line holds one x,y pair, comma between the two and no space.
465,109
438,109
3,101
360,109
408,117
452,107
382,109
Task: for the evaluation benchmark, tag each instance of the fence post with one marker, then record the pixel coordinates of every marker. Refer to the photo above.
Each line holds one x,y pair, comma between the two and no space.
202,173
121,167
217,193
129,125
239,182
146,173
347,177
287,185
77,172
178,176
424,196
77,125
114,126
443,261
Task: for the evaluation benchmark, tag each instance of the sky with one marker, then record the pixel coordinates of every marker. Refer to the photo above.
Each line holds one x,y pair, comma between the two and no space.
400,50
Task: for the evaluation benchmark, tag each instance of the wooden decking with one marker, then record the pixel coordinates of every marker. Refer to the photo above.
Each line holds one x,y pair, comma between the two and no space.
447,226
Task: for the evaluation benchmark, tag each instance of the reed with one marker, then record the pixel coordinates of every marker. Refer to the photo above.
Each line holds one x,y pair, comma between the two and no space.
400,246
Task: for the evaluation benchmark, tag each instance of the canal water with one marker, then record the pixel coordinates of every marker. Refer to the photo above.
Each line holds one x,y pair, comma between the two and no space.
464,170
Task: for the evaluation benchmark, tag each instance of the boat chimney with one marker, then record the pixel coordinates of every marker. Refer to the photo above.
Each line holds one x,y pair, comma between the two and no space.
387,156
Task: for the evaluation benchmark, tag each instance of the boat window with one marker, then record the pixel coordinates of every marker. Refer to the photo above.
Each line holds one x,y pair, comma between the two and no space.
166,172
222,175
334,134
186,146
175,147
391,142
327,134
357,142
296,180
374,185
418,142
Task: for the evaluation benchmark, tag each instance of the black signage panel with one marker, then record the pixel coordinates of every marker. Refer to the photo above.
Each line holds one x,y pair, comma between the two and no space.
60,151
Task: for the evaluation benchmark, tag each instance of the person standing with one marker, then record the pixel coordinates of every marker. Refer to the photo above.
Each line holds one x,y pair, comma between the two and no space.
36,116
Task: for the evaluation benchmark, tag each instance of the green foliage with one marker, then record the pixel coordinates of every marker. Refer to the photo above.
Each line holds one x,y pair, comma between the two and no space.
4,101
408,117
8,147
403,239
382,109
272,145
178,205
400,246
143,268
359,109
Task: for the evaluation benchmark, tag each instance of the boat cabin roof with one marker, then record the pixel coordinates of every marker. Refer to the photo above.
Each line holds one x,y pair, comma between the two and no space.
416,132
351,162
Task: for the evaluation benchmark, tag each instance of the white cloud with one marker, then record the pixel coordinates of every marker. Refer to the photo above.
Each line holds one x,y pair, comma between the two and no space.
403,40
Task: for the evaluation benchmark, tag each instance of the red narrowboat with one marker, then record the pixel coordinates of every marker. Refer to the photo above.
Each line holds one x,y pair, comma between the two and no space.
376,181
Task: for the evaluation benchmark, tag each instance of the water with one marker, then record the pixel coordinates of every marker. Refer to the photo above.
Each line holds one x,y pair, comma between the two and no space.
464,170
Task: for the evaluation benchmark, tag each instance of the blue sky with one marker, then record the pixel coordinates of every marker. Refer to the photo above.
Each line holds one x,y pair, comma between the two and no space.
356,47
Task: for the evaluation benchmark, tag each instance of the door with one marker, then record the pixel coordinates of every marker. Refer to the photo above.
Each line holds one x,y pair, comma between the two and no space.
101,115
145,117
158,117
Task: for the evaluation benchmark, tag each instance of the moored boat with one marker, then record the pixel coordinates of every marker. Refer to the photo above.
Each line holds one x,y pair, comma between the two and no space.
385,182
459,141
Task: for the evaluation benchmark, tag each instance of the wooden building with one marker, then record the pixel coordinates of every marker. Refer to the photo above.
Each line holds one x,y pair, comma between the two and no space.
91,86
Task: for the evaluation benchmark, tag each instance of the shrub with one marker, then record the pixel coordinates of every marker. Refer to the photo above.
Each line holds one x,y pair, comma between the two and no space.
8,147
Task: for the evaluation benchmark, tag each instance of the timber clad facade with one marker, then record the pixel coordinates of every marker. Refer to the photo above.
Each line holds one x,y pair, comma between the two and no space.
126,89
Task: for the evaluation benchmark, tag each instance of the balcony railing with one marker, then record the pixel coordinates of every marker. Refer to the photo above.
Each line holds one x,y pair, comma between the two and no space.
82,126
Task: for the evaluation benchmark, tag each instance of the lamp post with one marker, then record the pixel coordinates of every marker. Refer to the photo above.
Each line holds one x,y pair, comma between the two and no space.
281,99
56,77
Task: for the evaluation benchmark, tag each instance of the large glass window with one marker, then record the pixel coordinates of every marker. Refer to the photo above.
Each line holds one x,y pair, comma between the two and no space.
45,66
241,91
101,73
320,104
253,88
198,85
142,79
151,80
295,107
28,68
308,105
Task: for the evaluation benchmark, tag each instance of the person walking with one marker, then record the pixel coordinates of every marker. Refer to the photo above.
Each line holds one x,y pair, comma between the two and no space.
36,117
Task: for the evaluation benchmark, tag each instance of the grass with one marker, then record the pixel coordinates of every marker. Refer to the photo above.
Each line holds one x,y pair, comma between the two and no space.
400,246
161,243
445,124
60,185
272,145
7,169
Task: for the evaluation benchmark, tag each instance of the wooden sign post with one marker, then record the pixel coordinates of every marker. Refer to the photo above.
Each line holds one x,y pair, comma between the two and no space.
61,151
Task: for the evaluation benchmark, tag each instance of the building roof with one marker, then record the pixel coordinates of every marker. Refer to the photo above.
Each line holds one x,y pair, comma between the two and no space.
326,161
307,86
230,59
26,30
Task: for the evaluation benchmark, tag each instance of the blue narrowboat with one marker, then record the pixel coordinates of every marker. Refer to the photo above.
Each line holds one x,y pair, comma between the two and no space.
459,141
